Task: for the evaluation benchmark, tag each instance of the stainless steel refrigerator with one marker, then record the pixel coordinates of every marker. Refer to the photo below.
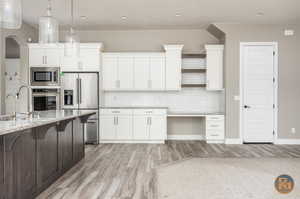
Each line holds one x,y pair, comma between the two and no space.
81,92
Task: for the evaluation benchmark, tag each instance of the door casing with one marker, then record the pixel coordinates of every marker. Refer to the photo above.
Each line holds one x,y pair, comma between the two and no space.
275,75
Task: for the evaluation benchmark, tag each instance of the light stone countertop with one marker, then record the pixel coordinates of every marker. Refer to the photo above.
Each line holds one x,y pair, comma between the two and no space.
133,107
45,117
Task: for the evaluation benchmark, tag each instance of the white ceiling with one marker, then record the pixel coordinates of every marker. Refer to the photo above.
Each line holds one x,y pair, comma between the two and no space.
160,14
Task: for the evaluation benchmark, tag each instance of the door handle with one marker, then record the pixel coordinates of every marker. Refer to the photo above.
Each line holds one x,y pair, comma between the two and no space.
246,106
46,59
77,85
80,87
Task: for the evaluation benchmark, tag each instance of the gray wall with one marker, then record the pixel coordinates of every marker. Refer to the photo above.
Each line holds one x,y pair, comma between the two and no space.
21,35
289,71
148,40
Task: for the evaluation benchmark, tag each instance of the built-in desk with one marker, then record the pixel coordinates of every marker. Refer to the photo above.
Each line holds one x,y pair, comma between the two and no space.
214,124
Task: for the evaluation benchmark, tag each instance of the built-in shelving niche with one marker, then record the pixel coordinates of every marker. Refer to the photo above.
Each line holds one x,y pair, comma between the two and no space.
193,70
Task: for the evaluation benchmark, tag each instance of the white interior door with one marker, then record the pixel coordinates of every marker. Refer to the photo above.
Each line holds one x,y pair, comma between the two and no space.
258,105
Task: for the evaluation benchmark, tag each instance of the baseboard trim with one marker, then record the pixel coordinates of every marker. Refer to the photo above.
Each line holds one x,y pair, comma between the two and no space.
233,141
132,141
288,141
186,137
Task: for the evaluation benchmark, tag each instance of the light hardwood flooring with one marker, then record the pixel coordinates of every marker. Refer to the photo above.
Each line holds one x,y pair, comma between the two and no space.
125,171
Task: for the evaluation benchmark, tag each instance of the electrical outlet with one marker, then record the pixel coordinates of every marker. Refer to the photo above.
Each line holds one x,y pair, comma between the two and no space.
293,130
288,32
236,98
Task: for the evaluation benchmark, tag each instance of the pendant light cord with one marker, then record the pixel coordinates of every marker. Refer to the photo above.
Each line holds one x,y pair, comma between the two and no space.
49,9
72,13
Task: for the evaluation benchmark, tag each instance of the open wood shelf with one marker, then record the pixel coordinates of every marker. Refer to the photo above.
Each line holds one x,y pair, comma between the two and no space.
193,70
193,85
202,55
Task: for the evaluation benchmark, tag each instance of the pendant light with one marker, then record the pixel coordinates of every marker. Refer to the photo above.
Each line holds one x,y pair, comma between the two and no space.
48,27
10,14
72,41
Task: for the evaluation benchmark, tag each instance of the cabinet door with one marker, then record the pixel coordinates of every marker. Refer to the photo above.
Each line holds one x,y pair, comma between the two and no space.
124,127
48,167
141,73
66,145
157,71
78,140
37,57
20,165
157,128
110,73
140,127
90,59
173,67
52,57
125,73
214,61
107,127
68,63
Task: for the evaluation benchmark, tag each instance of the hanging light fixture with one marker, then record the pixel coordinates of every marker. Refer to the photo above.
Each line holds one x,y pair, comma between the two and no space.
72,41
48,27
10,14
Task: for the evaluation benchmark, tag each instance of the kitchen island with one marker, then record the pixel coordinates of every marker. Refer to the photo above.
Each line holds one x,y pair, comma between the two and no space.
36,151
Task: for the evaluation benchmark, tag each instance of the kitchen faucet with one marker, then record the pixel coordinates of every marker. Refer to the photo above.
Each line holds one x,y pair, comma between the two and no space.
21,87
17,97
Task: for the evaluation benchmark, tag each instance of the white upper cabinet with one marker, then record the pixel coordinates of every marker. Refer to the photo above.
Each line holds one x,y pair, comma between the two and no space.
110,72
125,72
141,73
214,62
134,71
157,73
173,67
88,60
44,55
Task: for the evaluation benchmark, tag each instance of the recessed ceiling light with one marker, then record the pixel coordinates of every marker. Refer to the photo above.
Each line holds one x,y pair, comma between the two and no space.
123,17
83,17
178,15
260,14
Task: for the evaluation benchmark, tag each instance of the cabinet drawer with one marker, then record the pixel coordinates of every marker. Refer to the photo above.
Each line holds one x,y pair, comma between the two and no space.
116,111
214,135
215,118
149,111
215,125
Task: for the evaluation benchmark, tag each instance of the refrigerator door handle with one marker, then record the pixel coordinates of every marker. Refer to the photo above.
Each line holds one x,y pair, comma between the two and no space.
77,88
80,91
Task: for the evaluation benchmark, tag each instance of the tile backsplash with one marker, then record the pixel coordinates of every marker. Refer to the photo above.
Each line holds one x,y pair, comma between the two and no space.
186,100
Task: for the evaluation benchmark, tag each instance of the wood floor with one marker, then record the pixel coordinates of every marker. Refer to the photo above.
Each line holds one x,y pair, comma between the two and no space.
125,171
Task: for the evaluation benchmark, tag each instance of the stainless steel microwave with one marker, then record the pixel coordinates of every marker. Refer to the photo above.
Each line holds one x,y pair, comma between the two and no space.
45,76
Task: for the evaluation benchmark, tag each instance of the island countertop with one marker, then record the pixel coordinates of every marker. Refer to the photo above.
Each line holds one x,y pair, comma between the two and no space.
45,117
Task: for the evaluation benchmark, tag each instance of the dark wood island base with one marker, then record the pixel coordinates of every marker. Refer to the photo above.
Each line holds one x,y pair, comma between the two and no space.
32,159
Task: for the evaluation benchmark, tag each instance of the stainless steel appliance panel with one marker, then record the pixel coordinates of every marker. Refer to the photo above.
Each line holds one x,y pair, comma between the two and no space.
45,99
70,85
88,91
45,76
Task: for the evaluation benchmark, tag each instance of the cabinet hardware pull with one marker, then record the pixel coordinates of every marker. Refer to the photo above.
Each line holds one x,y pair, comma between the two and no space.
117,118
150,120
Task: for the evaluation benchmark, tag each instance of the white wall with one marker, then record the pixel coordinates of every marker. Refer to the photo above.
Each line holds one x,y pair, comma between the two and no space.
147,40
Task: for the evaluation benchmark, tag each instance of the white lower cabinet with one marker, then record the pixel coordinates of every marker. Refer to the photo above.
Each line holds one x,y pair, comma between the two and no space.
123,127
142,125
107,127
215,129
